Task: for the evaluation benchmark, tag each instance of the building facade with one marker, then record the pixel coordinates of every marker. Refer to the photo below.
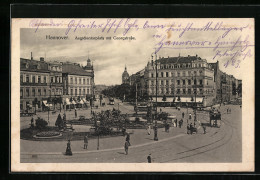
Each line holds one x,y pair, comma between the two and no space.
56,83
43,84
227,86
34,83
181,79
78,81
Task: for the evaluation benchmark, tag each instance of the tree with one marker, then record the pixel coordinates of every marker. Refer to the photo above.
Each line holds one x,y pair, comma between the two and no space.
59,122
41,123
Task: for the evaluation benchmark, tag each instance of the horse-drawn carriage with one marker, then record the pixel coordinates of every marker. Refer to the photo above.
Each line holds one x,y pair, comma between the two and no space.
192,129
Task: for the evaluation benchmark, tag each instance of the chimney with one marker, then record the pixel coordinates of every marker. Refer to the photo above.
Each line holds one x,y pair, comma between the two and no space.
31,56
41,59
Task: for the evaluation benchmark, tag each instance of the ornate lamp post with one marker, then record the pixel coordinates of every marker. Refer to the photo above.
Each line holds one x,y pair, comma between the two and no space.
156,92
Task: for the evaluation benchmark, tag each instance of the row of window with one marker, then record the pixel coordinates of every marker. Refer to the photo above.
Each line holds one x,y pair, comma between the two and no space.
175,66
80,92
56,79
40,79
178,73
38,92
184,82
79,80
179,91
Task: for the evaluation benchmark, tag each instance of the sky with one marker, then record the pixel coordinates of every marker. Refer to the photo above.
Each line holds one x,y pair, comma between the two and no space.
110,56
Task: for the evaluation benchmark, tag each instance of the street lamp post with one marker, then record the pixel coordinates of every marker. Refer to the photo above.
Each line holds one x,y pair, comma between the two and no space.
49,106
156,92
98,140
195,92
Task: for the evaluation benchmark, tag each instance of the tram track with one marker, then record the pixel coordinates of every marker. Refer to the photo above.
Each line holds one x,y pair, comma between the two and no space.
205,148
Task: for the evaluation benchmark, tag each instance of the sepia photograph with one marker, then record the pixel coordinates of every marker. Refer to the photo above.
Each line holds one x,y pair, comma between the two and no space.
127,92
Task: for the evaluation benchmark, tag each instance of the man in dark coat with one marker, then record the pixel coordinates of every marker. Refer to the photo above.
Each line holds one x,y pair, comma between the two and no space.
149,159
126,147
128,138
182,114
86,142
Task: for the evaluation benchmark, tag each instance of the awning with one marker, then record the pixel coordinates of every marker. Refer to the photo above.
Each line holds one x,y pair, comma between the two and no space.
159,99
84,100
67,101
182,99
47,104
73,102
80,102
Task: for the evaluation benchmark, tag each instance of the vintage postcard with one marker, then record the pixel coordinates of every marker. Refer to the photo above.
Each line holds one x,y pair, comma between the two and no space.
132,95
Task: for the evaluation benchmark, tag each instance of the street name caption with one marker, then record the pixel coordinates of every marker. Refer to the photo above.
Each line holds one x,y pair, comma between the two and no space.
81,38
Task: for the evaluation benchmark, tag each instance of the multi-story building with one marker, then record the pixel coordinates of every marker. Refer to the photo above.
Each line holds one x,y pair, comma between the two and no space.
78,81
140,81
41,83
34,83
181,79
56,83
226,85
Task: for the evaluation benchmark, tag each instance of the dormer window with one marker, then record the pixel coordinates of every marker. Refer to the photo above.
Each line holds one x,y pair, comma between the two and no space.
27,65
38,66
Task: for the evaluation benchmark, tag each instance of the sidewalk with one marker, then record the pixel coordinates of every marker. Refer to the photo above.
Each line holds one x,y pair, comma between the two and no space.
139,137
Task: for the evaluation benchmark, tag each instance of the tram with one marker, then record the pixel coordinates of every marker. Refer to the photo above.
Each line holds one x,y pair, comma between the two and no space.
215,119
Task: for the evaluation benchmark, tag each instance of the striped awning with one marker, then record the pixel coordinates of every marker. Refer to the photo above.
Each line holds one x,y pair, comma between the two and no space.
182,99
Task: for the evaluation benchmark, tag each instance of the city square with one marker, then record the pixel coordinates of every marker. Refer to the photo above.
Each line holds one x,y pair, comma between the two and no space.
97,104
217,145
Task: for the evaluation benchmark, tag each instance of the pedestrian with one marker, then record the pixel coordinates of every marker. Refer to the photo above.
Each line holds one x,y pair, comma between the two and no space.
190,116
176,122
32,122
160,110
230,110
128,138
188,129
86,142
240,106
180,123
204,128
191,129
149,159
149,130
165,126
182,114
75,112
126,147
68,149
227,110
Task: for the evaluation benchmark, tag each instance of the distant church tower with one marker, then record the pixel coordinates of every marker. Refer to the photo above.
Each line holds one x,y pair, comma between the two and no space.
125,77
